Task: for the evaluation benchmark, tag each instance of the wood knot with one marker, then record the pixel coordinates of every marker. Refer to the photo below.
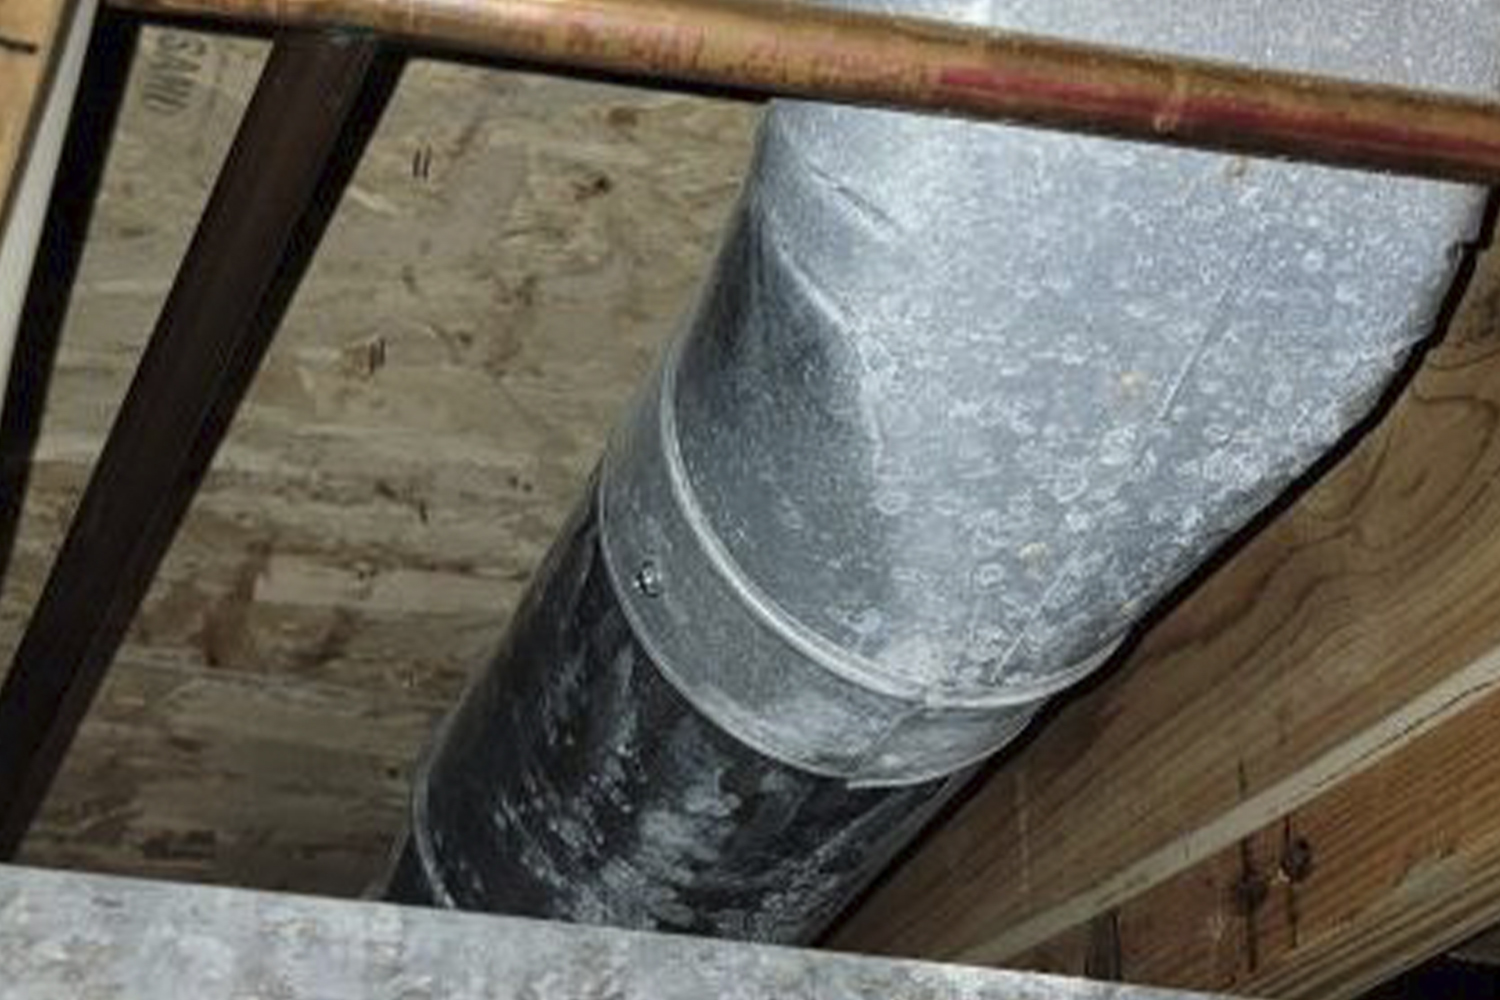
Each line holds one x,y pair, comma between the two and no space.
19,46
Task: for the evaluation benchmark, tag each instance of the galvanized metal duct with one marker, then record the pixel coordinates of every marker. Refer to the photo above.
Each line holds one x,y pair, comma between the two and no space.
958,404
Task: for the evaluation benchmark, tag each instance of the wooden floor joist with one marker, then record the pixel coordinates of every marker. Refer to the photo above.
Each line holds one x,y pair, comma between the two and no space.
29,32
1292,788
314,110
40,42
1379,871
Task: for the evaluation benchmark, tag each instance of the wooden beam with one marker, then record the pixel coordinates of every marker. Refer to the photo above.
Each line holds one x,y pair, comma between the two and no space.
314,110
1338,675
36,38
1378,873
29,34
57,195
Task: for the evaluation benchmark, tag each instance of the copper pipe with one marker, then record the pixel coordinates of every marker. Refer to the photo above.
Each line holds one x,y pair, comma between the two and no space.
789,49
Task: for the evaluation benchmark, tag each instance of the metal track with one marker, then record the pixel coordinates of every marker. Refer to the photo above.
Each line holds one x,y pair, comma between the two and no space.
69,935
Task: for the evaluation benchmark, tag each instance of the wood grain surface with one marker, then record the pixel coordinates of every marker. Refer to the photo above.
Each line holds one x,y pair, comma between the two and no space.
504,269
1376,874
29,31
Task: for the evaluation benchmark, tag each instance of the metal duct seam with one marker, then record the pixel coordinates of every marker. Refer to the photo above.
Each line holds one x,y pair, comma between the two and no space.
574,782
791,694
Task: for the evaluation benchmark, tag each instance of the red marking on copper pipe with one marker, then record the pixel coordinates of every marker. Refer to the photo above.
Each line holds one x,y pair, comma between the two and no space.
1079,100
1070,98
1312,125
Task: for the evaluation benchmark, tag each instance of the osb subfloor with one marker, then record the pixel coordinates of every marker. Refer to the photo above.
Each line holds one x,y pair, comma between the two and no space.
510,258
